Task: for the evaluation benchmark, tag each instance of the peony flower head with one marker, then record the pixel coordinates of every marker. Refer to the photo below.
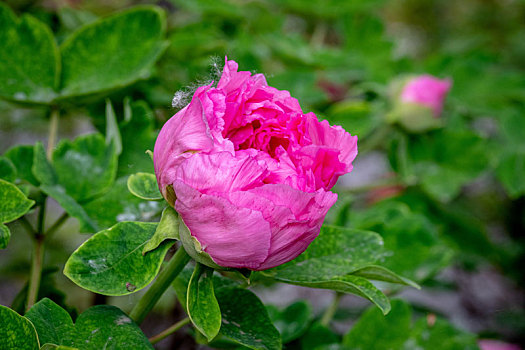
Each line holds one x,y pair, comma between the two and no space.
418,102
248,172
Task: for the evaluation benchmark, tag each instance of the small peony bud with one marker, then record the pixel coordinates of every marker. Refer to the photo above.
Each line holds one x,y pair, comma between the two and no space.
418,102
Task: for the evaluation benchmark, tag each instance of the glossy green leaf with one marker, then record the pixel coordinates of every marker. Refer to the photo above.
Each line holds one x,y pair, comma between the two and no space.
26,77
180,285
144,185
22,158
13,205
168,228
202,306
85,167
418,251
7,169
293,321
380,273
354,285
71,206
376,331
118,204
16,332
105,326
99,327
112,130
138,135
52,323
245,320
111,261
5,236
112,52
45,173
335,252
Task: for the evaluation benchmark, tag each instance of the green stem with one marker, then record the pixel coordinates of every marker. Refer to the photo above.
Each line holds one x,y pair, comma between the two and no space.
63,218
165,333
36,272
53,128
163,281
331,310
27,225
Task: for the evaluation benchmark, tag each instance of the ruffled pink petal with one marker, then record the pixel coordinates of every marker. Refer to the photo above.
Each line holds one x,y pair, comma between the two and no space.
232,236
322,134
183,134
221,172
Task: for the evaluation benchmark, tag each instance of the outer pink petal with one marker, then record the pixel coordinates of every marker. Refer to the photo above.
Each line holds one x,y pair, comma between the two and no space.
232,236
183,134
295,217
221,172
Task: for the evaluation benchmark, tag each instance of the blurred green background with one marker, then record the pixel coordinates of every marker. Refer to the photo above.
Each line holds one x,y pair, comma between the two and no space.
450,203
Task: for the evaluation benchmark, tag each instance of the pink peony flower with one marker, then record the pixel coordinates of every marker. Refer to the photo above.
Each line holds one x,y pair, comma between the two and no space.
248,172
489,344
428,91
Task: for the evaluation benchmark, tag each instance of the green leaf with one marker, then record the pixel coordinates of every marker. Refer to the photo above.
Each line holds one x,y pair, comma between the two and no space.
85,167
380,273
112,52
138,135
442,161
352,284
100,327
246,321
27,77
5,236
16,332
376,331
105,326
511,172
317,336
202,306
56,347
71,207
22,158
112,130
111,261
41,167
180,285
52,323
440,335
118,205
168,228
293,321
335,252
331,261
13,205
418,251
144,185
7,169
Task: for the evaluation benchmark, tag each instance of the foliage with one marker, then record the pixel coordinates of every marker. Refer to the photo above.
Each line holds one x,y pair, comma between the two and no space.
435,208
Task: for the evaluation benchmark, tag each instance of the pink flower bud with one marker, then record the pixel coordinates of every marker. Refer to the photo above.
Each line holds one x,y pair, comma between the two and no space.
428,91
489,344
249,173
418,103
